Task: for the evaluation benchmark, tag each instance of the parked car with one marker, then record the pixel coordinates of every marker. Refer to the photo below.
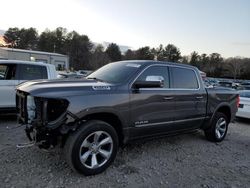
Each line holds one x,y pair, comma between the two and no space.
244,106
228,84
245,85
69,75
209,82
119,103
14,72
84,72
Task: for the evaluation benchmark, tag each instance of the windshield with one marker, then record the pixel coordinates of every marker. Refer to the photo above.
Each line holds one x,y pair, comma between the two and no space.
245,94
117,72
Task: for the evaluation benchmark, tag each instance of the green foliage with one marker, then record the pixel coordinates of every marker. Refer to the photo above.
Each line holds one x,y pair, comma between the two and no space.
184,60
144,53
12,36
195,59
53,41
114,52
22,38
46,41
79,50
83,55
28,38
98,58
129,55
170,53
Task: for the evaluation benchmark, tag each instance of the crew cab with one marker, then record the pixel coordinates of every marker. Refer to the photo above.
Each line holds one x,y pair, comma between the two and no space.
14,72
121,102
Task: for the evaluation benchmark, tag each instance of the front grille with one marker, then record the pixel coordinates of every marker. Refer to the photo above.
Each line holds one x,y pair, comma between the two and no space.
21,105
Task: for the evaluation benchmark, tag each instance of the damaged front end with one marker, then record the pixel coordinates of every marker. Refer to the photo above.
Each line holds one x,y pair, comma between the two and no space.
45,118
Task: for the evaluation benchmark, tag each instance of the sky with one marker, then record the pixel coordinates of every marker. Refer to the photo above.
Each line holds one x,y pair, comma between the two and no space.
205,26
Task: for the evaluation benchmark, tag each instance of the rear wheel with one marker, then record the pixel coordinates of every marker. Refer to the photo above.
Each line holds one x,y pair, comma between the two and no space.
219,126
92,148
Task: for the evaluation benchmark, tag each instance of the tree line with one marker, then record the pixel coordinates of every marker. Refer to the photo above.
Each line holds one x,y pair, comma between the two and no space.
84,54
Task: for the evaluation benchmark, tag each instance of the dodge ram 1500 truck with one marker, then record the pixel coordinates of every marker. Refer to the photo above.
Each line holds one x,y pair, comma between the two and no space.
121,102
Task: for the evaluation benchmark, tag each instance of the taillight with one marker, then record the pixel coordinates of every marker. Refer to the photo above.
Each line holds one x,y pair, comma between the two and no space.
238,101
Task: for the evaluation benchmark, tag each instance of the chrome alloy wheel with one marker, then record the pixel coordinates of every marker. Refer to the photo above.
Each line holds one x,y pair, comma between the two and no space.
96,149
220,128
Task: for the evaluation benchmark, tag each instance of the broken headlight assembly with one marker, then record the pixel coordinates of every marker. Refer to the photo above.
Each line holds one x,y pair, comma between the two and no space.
31,108
50,112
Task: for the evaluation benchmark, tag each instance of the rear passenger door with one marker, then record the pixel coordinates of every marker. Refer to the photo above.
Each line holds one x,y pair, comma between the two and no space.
190,98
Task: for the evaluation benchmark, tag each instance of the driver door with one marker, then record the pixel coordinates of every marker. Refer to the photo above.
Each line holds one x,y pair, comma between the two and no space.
152,109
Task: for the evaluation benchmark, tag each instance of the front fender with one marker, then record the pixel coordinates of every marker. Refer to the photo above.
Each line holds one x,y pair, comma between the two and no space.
116,104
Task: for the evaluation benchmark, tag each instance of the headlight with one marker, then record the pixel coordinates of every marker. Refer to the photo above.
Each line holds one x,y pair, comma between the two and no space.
31,107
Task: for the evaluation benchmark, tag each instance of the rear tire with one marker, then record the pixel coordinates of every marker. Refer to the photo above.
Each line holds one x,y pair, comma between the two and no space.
218,129
92,148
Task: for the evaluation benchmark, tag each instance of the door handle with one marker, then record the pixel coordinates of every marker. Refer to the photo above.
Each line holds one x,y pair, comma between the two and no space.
199,97
168,98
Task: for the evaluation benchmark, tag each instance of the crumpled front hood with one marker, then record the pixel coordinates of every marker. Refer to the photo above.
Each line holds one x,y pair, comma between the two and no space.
64,87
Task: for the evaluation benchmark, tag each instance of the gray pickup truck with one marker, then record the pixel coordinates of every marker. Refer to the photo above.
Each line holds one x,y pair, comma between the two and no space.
121,102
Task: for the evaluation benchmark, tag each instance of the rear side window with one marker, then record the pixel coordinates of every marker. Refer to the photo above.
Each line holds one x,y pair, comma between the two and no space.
32,72
183,78
8,72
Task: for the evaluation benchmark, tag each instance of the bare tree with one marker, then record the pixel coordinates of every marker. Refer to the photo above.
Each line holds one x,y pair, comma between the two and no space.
235,67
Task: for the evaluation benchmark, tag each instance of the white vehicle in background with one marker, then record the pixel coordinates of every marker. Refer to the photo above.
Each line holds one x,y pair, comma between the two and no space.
244,106
14,72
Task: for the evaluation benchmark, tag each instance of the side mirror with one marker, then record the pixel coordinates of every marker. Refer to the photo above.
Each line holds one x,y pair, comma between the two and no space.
148,84
155,78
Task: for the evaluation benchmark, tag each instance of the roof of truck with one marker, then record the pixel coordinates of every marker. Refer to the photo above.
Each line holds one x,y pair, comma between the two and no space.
24,62
149,62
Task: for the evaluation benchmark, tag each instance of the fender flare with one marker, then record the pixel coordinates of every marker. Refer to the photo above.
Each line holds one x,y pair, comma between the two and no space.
224,104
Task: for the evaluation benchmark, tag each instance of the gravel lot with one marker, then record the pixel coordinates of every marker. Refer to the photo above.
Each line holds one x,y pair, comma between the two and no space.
181,161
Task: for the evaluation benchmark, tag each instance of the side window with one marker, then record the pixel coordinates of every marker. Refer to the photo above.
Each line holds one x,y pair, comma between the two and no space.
156,73
8,72
184,78
32,72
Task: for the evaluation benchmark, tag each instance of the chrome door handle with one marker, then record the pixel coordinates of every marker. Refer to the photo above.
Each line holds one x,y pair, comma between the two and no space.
200,97
168,98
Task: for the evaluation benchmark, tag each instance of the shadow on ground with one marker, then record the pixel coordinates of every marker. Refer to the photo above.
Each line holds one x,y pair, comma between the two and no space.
243,120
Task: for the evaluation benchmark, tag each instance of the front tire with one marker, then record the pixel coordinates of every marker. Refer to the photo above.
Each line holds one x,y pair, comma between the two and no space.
218,129
92,148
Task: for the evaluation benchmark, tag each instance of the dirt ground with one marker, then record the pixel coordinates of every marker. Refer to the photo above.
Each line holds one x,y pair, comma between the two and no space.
187,160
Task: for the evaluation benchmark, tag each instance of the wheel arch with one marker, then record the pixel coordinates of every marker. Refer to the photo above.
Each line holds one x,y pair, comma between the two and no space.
222,108
109,118
225,109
